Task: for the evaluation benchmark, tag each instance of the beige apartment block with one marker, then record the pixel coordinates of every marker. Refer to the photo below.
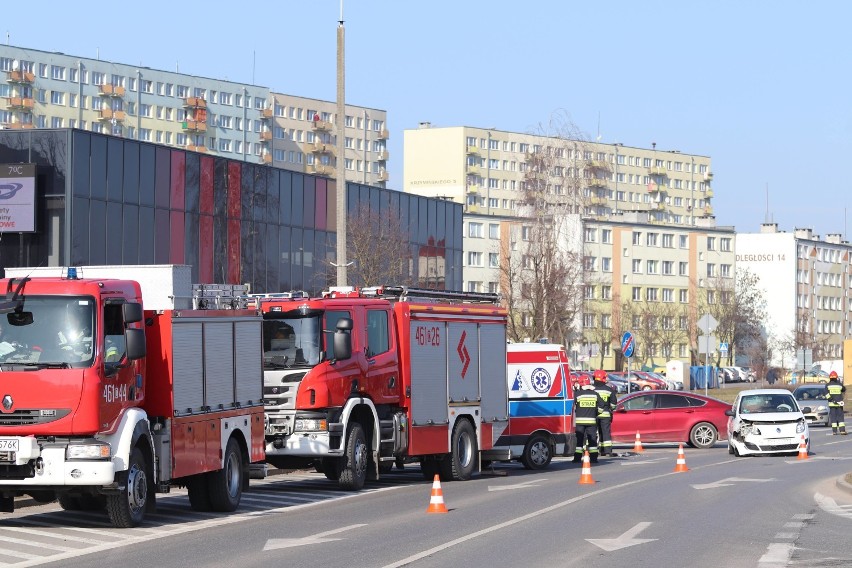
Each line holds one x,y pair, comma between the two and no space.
304,138
40,89
806,281
487,169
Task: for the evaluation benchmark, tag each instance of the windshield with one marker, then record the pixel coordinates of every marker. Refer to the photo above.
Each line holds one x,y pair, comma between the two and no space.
807,393
48,330
762,403
289,342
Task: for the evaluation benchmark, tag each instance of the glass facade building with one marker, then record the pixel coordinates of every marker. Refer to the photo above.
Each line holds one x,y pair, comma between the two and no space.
108,200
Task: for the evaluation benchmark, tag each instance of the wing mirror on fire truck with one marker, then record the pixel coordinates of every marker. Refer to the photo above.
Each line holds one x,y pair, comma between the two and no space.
135,340
131,312
343,339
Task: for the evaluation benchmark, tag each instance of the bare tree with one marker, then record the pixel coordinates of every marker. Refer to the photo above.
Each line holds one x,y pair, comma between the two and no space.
378,247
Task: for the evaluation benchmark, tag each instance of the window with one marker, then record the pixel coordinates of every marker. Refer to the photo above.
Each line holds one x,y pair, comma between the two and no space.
493,260
57,98
682,268
683,241
725,270
651,239
606,321
588,320
637,238
668,295
711,243
683,296
57,72
711,296
606,264
637,293
606,292
668,267
652,266
590,263
589,292
651,294
474,230
668,241
493,231
591,235
711,270
606,236
474,259
378,338
637,266
725,244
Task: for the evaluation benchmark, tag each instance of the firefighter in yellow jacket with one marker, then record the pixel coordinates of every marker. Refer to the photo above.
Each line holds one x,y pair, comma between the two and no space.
836,391
608,394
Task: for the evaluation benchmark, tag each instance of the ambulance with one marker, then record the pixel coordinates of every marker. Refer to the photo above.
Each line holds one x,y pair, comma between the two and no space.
541,402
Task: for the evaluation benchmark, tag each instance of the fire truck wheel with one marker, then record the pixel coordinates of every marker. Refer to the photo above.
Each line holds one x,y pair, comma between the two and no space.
537,453
462,458
127,508
226,484
197,487
353,471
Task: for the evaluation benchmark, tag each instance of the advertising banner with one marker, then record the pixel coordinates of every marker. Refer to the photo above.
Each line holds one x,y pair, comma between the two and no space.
17,198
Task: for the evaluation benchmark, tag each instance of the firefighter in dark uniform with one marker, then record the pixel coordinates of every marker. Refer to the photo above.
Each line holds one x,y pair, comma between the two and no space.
587,405
836,390
607,393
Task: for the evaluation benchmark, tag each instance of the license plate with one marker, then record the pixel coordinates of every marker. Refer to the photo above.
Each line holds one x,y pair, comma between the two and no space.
8,444
780,441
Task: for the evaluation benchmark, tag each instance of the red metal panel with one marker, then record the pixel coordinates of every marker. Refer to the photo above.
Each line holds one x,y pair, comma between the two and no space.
320,217
177,183
486,439
233,269
205,222
429,440
206,186
189,437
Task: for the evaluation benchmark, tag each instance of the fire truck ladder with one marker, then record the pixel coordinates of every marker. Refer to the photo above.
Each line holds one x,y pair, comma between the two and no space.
219,296
407,293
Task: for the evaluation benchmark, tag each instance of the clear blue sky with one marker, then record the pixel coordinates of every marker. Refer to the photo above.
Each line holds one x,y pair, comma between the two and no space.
762,87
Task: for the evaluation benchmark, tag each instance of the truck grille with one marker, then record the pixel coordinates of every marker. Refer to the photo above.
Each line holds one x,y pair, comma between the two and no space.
32,416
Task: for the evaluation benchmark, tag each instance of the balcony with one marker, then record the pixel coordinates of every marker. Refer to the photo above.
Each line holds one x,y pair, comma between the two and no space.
21,77
596,182
111,91
657,188
383,134
597,165
320,169
708,176
383,156
472,189
266,135
18,125
658,171
194,126
109,114
266,113
383,175
194,102
472,170
472,151
708,193
20,103
319,148
194,148
267,158
598,200
320,125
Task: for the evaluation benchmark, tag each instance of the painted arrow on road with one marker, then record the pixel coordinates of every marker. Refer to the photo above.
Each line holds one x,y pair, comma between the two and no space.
275,543
623,541
523,485
730,481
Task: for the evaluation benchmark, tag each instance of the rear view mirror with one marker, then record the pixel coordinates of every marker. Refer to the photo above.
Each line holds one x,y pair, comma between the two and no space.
19,318
131,312
729,412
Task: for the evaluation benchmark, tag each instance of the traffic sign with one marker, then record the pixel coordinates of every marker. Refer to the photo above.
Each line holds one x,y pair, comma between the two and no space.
627,344
707,324
723,348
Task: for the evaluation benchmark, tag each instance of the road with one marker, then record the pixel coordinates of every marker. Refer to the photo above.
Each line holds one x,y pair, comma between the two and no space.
762,512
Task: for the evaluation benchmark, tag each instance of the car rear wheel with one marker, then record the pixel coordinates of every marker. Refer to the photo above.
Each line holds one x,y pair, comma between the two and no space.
537,453
703,435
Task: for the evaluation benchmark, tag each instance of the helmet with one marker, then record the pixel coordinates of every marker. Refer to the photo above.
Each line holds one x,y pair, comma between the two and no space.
583,381
600,375
832,375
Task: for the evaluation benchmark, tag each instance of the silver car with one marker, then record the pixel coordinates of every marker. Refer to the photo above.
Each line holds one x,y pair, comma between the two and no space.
813,400
766,421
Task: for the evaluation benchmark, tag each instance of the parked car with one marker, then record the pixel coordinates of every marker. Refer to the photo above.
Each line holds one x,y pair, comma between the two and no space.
651,379
766,421
619,382
664,416
746,374
813,400
671,384
812,376
732,375
639,382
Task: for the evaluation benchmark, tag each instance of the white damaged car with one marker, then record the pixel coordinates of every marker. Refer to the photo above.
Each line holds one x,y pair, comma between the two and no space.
766,421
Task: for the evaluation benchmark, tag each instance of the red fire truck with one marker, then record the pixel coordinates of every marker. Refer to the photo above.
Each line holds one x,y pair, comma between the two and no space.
358,380
541,402
104,404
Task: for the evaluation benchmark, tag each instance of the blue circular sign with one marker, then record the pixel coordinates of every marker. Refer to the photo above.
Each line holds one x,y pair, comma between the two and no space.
627,344
541,380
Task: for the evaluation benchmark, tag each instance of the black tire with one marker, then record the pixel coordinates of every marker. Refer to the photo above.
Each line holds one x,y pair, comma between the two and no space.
428,467
70,502
198,488
126,509
353,470
538,452
703,435
385,467
463,451
43,496
330,468
730,449
226,484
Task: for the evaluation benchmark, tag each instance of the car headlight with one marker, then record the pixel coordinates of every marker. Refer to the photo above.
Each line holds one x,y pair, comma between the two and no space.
311,425
800,426
822,408
88,451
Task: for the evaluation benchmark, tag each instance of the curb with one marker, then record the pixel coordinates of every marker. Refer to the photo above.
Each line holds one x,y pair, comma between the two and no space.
843,484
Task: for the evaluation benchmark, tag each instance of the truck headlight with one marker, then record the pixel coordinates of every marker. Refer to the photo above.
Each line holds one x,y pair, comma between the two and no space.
311,425
88,451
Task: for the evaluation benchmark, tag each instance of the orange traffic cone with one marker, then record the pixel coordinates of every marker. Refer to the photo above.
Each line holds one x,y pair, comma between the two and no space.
586,472
803,451
436,502
681,460
637,446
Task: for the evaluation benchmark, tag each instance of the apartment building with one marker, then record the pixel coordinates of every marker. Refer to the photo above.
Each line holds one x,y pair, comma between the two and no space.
213,116
806,282
488,169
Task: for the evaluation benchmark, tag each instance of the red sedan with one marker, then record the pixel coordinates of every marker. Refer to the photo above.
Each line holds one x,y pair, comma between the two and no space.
667,416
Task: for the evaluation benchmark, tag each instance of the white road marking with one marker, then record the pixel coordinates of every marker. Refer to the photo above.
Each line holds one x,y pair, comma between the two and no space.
730,481
624,540
777,555
829,505
319,538
523,485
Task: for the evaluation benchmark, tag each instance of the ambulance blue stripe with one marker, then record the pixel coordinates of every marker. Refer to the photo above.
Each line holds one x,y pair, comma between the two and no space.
539,407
